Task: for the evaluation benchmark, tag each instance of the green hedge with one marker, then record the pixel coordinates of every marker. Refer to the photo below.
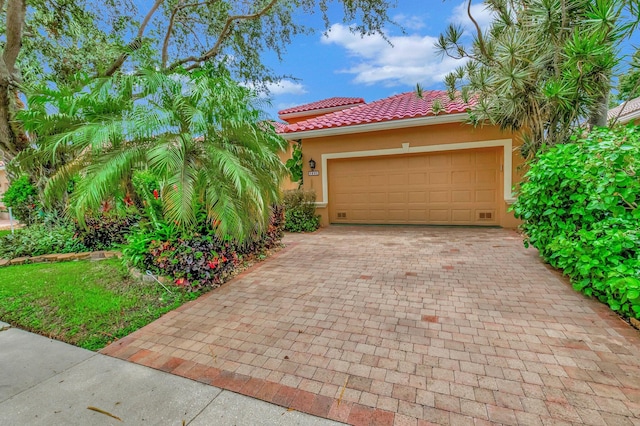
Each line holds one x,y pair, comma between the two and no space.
300,211
579,202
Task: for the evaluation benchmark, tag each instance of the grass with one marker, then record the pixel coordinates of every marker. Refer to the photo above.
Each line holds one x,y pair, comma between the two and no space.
88,304
4,232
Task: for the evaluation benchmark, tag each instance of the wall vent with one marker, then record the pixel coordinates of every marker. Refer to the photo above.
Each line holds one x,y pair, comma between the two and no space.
485,215
342,215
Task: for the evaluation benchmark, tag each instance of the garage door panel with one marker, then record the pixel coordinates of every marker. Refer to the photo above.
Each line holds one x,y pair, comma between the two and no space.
418,162
398,197
486,196
439,196
486,158
461,196
417,178
417,197
439,178
398,215
487,177
377,197
438,216
378,180
462,216
462,177
398,179
453,187
418,215
439,160
378,214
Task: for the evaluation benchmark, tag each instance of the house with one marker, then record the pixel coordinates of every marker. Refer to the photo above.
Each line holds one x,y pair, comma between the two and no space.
404,160
625,112
4,185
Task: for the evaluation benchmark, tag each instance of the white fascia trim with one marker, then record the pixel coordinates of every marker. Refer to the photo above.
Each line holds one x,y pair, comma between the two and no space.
506,144
632,116
321,111
375,127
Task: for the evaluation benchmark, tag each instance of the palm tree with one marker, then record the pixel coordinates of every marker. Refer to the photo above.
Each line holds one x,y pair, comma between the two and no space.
542,67
197,131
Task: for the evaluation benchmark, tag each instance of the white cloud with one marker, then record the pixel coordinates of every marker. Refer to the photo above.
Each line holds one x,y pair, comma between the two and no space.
409,22
286,87
406,61
479,11
282,87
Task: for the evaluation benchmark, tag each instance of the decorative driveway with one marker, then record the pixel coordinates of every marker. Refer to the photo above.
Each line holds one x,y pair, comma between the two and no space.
405,325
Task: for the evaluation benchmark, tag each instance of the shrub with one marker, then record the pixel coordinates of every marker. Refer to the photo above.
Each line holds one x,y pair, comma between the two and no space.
22,197
580,206
105,231
300,211
40,238
200,260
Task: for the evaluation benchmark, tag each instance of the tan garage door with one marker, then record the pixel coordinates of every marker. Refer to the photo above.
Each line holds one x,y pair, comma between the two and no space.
443,188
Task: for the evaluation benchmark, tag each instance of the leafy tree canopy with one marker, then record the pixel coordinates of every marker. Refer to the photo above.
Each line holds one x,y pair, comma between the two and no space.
542,66
215,158
629,83
51,40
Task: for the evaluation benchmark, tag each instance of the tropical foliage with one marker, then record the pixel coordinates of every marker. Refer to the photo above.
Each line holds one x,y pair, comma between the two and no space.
300,211
198,261
294,164
629,83
58,39
22,197
542,66
47,237
197,132
580,206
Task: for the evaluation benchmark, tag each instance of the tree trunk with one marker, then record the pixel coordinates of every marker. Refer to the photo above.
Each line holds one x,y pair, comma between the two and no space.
599,114
8,139
12,139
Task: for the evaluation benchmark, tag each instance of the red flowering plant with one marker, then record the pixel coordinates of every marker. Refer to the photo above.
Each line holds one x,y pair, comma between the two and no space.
194,263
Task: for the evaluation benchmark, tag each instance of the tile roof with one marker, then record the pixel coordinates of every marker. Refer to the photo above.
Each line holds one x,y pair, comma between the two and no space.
325,103
278,126
398,107
632,106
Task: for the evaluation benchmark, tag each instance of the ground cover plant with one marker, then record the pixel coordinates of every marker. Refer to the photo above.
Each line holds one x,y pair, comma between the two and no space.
51,236
579,202
88,304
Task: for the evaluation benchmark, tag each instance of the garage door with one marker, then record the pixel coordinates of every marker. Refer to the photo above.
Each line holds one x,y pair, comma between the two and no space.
442,188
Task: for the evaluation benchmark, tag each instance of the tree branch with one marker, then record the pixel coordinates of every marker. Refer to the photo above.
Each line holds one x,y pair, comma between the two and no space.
174,12
478,30
16,10
136,43
223,36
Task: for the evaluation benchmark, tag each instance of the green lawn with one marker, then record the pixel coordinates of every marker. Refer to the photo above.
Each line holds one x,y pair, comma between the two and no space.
4,232
88,304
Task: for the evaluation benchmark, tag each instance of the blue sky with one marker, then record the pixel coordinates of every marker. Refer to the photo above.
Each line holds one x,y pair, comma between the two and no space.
344,64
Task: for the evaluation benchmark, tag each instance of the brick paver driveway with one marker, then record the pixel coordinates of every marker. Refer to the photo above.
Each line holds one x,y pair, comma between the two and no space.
404,325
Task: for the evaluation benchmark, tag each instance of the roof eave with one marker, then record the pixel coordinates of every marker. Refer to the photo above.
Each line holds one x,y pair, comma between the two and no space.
320,111
625,118
378,126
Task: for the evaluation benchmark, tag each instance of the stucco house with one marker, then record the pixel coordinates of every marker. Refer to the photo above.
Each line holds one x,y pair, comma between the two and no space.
626,112
404,160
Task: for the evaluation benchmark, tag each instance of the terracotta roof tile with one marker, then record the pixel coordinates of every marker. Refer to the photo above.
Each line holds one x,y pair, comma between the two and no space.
632,106
398,107
279,126
325,103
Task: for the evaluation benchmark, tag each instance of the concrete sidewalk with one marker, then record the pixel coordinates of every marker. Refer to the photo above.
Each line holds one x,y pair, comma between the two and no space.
47,382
